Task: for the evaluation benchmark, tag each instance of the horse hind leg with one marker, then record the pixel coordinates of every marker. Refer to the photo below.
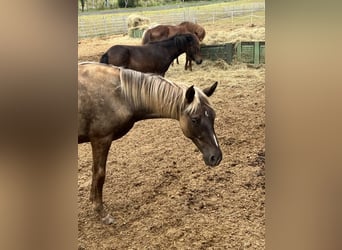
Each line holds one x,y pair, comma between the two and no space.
100,149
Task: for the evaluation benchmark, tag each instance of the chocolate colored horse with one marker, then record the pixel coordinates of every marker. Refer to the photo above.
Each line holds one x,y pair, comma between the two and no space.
162,32
112,99
154,57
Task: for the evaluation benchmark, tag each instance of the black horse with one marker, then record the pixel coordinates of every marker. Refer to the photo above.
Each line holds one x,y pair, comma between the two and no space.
154,57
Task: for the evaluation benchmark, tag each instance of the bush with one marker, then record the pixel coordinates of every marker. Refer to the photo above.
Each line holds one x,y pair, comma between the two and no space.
130,3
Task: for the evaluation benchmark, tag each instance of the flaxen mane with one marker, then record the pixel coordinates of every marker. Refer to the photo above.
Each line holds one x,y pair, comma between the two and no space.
154,91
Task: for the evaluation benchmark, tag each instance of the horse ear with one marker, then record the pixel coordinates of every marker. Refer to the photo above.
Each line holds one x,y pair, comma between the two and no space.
210,90
178,41
190,94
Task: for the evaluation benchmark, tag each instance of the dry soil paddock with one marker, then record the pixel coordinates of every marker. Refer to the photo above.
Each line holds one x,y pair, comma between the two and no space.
157,187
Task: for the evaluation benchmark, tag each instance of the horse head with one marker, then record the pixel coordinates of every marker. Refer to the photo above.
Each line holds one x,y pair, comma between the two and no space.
200,33
190,43
197,123
193,48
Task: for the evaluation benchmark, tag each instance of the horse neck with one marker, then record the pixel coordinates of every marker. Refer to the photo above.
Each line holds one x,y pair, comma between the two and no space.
187,27
151,96
174,49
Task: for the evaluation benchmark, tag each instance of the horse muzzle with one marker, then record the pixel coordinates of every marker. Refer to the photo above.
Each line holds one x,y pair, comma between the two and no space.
199,61
213,159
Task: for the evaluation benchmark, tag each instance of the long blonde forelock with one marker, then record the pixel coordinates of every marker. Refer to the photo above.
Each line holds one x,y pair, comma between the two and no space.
199,98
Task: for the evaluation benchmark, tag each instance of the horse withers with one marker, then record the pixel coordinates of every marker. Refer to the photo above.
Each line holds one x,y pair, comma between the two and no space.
162,32
154,57
112,99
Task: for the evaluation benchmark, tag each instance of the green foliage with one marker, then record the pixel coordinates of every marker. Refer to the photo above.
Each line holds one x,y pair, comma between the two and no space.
113,4
128,3
82,4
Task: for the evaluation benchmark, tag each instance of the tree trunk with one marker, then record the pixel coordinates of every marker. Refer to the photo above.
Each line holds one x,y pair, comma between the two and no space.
82,4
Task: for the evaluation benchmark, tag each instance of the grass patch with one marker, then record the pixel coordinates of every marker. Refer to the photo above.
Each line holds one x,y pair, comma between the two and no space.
116,21
171,9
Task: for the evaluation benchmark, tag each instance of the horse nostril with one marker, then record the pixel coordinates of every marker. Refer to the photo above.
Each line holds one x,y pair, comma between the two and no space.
214,160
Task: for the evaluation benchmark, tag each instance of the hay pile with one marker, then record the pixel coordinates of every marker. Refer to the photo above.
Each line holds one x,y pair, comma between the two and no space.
236,35
136,21
137,25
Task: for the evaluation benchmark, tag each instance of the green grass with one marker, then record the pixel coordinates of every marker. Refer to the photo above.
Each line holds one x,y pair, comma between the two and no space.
114,22
172,9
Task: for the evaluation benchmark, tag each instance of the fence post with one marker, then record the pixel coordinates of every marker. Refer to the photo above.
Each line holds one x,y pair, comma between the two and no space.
256,53
94,29
79,28
114,24
125,25
105,25
239,52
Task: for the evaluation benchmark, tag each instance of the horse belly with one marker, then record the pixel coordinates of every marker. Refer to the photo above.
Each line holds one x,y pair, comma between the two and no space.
84,114
103,119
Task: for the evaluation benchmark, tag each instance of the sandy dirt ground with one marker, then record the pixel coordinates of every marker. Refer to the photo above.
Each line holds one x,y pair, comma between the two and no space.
158,188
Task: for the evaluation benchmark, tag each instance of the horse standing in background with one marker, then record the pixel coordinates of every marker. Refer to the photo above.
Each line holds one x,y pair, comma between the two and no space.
162,32
154,57
112,99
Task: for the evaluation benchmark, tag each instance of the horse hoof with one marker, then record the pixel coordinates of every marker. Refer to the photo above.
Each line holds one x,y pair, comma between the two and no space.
108,220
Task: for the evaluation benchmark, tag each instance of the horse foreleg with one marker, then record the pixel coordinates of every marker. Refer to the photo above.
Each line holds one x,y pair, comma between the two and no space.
100,148
188,63
176,61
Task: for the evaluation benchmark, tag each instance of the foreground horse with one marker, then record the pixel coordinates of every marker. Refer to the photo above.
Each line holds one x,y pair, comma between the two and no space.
112,99
154,57
162,32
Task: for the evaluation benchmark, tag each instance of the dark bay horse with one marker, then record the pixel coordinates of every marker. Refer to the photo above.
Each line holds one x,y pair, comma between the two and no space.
154,57
162,32
112,99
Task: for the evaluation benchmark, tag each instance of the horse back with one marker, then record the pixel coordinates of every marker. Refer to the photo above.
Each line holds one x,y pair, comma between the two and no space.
150,58
158,33
118,55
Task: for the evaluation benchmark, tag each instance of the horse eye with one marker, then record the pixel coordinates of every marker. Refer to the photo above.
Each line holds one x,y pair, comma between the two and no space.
195,120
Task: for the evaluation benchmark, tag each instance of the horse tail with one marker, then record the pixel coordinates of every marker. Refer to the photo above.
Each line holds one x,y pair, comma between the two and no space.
104,58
